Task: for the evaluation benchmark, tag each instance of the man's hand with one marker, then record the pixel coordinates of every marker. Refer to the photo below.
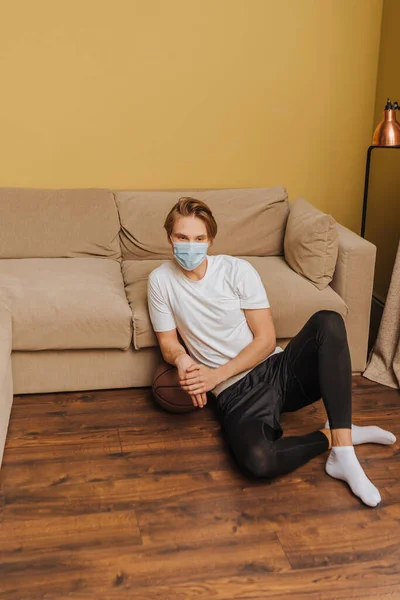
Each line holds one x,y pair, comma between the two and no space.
199,379
183,363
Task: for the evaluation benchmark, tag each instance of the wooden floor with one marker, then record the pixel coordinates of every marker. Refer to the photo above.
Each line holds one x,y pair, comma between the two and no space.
103,495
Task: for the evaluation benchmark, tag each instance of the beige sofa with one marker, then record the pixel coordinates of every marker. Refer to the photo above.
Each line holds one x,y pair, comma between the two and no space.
73,279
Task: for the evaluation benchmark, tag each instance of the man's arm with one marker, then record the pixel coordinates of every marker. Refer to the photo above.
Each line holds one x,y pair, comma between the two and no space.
170,345
264,343
174,353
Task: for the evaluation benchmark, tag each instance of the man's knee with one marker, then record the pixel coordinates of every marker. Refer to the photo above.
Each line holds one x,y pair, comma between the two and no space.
261,462
331,324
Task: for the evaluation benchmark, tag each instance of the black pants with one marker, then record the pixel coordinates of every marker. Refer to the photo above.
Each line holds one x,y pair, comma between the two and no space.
316,363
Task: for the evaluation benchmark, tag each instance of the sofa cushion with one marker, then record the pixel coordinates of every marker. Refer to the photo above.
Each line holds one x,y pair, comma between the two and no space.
311,243
58,223
293,298
66,303
135,274
250,221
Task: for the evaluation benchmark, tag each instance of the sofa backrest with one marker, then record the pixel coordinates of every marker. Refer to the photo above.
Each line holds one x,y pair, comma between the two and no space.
58,223
251,221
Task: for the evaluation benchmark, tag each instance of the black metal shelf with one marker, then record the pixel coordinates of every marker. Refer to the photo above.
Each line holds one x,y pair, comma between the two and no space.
366,185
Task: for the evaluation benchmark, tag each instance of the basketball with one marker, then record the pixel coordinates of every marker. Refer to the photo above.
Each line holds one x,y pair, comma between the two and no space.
168,393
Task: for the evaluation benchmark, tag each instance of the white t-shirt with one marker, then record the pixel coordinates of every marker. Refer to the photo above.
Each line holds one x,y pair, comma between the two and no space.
208,313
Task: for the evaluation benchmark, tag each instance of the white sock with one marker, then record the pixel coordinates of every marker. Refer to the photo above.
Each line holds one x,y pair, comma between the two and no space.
370,434
343,464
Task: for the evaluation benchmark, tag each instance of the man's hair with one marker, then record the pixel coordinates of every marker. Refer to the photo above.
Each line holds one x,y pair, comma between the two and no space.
187,207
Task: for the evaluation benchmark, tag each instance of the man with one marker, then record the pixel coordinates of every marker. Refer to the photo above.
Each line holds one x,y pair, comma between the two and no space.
221,310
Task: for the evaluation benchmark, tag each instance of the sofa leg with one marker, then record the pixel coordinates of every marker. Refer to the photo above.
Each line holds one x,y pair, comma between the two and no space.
6,400
6,378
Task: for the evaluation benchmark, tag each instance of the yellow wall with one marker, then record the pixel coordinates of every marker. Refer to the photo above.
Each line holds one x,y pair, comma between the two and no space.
383,214
189,93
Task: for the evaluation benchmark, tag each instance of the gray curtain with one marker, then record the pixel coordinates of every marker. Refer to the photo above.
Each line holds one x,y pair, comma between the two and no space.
383,363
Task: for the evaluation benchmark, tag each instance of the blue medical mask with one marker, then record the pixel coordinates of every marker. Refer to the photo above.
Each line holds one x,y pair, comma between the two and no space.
190,254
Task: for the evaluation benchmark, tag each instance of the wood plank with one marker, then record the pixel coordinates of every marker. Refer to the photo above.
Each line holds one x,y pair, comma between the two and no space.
101,495
55,533
234,517
101,456
31,423
63,459
250,571
358,581
325,541
100,568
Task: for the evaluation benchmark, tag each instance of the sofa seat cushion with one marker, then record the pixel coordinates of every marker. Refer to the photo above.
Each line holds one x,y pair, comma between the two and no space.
293,298
66,303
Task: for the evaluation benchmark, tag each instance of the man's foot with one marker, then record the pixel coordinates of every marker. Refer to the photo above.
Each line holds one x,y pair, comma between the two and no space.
342,463
370,434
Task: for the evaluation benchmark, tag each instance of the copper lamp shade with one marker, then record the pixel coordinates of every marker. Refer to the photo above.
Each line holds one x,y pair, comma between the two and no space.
388,131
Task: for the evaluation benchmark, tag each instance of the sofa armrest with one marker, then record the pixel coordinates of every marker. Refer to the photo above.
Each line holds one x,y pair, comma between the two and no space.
353,280
6,380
